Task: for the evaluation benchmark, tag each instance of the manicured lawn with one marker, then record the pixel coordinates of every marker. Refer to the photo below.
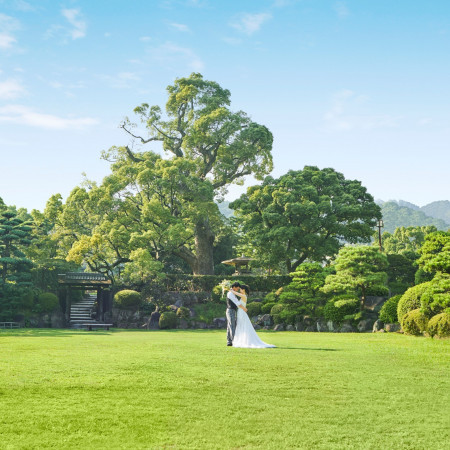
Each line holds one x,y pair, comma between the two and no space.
186,389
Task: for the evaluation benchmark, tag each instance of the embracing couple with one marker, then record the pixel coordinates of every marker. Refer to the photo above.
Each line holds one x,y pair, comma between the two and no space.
240,331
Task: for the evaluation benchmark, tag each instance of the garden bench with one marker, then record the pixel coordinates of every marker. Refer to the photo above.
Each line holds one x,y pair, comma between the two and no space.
9,325
90,326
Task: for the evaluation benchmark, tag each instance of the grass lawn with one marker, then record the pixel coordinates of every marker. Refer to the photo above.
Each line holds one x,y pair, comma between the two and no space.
185,389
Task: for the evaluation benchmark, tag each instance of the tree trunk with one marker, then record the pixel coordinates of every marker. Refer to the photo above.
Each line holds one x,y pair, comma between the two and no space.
363,298
204,240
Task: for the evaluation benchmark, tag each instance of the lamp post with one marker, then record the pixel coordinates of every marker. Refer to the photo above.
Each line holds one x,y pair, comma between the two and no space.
380,225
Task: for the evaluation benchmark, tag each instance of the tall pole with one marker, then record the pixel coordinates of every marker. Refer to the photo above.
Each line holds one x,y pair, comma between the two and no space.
380,225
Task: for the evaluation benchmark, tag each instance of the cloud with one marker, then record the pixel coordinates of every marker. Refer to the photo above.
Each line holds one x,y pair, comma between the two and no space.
341,9
170,55
232,41
179,27
123,80
7,26
24,115
145,38
79,26
424,121
21,5
347,113
250,23
10,89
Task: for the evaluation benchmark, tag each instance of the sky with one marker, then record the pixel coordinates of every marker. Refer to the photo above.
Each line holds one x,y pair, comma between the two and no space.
360,86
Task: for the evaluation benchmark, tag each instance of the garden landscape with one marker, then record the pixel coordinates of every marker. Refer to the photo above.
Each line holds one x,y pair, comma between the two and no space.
114,327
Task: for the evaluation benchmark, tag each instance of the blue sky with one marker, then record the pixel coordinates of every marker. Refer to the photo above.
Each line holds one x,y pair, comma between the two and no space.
360,86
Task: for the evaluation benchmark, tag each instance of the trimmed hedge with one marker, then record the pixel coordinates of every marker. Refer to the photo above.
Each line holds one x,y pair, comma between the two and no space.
439,325
128,299
411,300
168,320
266,308
183,313
341,308
388,312
414,322
253,309
47,302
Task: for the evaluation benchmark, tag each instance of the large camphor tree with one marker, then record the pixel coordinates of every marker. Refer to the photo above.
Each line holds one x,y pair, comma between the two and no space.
151,206
305,216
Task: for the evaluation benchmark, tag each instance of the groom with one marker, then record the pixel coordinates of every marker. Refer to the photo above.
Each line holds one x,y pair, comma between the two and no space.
232,305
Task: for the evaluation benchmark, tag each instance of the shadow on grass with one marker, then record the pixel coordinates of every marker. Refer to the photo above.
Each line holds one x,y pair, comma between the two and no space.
310,348
46,332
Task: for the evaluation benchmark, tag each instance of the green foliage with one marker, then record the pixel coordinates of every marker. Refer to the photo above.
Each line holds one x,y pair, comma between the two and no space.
400,271
439,325
47,302
410,300
206,312
422,277
435,253
266,308
358,269
439,209
183,313
305,215
341,308
388,312
437,297
168,320
253,309
406,241
415,322
128,299
276,311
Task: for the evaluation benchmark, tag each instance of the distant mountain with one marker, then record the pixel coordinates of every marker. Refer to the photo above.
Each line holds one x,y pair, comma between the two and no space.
395,216
409,205
224,209
439,209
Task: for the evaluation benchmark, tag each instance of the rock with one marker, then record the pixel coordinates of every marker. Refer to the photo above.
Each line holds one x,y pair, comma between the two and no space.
182,324
381,331
267,327
279,327
321,326
332,327
392,327
377,326
256,300
256,326
346,328
191,312
300,326
173,308
220,322
153,323
265,320
290,328
310,329
178,303
201,325
364,325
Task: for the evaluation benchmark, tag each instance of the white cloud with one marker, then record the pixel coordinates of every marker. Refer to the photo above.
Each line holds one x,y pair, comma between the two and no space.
10,89
179,27
250,23
21,5
24,115
341,9
7,26
347,113
123,80
145,38
232,41
79,26
424,121
172,55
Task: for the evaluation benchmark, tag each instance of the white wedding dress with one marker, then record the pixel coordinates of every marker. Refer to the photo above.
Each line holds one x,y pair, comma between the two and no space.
245,335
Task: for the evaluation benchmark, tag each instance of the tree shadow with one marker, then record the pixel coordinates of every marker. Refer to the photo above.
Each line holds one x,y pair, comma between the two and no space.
311,348
45,332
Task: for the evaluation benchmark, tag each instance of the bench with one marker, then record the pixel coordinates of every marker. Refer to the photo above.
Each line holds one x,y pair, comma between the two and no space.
90,326
9,325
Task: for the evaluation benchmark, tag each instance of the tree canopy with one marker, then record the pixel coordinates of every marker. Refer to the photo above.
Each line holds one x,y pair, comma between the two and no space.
305,215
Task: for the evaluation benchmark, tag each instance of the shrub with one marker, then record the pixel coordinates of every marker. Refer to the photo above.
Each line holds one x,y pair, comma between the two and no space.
422,277
267,307
253,309
271,297
388,312
183,313
168,320
439,325
414,322
341,308
47,302
436,298
275,313
128,299
410,300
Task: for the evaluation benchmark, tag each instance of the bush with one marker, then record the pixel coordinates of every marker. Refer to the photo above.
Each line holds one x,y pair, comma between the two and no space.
410,300
168,320
436,298
388,312
253,309
128,299
275,313
47,302
267,307
341,308
439,325
414,322
183,313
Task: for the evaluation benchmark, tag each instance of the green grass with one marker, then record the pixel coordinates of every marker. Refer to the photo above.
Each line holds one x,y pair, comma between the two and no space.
185,389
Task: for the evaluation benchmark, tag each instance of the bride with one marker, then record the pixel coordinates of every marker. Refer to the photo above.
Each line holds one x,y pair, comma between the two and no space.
245,335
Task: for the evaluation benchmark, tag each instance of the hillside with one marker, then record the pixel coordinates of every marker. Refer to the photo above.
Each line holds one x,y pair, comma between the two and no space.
439,209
